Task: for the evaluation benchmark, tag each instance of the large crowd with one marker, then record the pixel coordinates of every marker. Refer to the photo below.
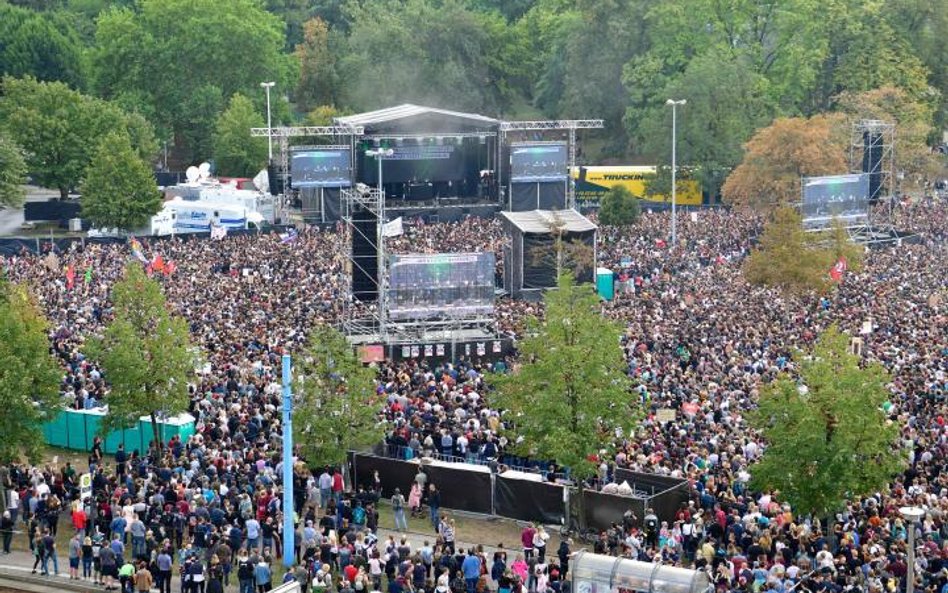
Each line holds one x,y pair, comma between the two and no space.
699,341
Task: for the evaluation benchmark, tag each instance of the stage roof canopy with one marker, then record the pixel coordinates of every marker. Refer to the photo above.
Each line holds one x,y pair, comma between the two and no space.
414,119
543,221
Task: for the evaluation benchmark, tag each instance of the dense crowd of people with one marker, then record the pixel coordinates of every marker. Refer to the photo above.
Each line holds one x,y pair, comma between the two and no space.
699,341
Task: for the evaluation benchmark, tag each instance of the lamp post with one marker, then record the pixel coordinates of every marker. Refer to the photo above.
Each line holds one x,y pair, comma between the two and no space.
267,86
912,515
674,105
380,153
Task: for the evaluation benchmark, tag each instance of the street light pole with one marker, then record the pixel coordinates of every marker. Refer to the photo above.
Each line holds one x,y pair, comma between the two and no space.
379,154
267,86
911,515
674,222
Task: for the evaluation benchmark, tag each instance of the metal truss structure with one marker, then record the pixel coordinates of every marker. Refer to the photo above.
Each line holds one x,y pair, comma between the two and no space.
570,125
875,136
284,133
371,322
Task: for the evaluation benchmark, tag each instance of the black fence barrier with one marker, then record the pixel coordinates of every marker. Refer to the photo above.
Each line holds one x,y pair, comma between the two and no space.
475,489
602,510
526,500
461,489
57,210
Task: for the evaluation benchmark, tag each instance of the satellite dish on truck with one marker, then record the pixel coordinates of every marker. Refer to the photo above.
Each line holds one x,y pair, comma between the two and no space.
205,170
192,174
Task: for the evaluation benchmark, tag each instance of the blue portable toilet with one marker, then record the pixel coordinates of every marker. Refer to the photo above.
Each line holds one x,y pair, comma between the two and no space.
605,283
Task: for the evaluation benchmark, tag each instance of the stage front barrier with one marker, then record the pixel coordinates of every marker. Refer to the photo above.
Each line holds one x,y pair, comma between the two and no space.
597,573
526,497
663,494
469,487
523,496
76,429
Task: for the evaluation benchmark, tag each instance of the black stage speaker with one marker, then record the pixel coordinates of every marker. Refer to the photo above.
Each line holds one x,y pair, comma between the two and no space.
872,163
274,179
365,252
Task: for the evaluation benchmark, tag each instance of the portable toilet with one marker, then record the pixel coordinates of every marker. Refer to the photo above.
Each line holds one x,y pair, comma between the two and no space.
605,283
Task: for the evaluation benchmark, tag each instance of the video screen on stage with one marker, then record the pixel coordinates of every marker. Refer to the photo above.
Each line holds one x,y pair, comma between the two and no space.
538,162
441,286
320,167
418,162
837,197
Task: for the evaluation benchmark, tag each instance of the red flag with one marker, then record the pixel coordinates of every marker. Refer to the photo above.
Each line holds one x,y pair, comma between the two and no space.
170,268
70,277
149,270
660,243
158,264
838,269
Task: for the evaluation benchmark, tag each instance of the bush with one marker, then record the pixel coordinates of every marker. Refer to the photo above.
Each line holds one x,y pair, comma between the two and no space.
619,207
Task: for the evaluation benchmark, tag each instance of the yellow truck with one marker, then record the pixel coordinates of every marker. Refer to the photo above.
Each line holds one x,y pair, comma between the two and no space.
592,183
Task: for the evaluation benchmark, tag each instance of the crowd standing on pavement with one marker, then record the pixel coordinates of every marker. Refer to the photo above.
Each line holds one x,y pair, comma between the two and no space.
698,339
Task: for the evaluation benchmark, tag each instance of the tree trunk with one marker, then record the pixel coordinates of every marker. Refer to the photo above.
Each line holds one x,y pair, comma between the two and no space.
156,432
63,193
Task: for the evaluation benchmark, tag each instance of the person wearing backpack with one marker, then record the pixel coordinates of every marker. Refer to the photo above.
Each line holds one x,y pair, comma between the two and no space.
398,506
245,573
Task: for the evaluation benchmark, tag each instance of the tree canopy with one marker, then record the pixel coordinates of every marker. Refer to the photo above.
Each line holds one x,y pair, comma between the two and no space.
235,153
29,375
779,155
792,259
828,439
336,407
145,353
183,59
739,64
59,129
619,207
571,386
12,173
119,189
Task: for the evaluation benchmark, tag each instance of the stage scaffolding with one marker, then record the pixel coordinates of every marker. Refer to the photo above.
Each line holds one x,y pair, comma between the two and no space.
339,134
370,323
868,138
570,125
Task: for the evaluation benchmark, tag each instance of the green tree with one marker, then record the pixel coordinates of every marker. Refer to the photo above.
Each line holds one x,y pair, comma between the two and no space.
619,207
58,128
145,353
43,45
185,58
318,82
571,388
12,174
119,190
336,407
437,53
726,103
235,152
828,439
30,376
789,258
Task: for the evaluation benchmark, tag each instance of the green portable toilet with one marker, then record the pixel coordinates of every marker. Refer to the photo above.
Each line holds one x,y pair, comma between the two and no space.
57,430
76,422
93,420
605,283
113,440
